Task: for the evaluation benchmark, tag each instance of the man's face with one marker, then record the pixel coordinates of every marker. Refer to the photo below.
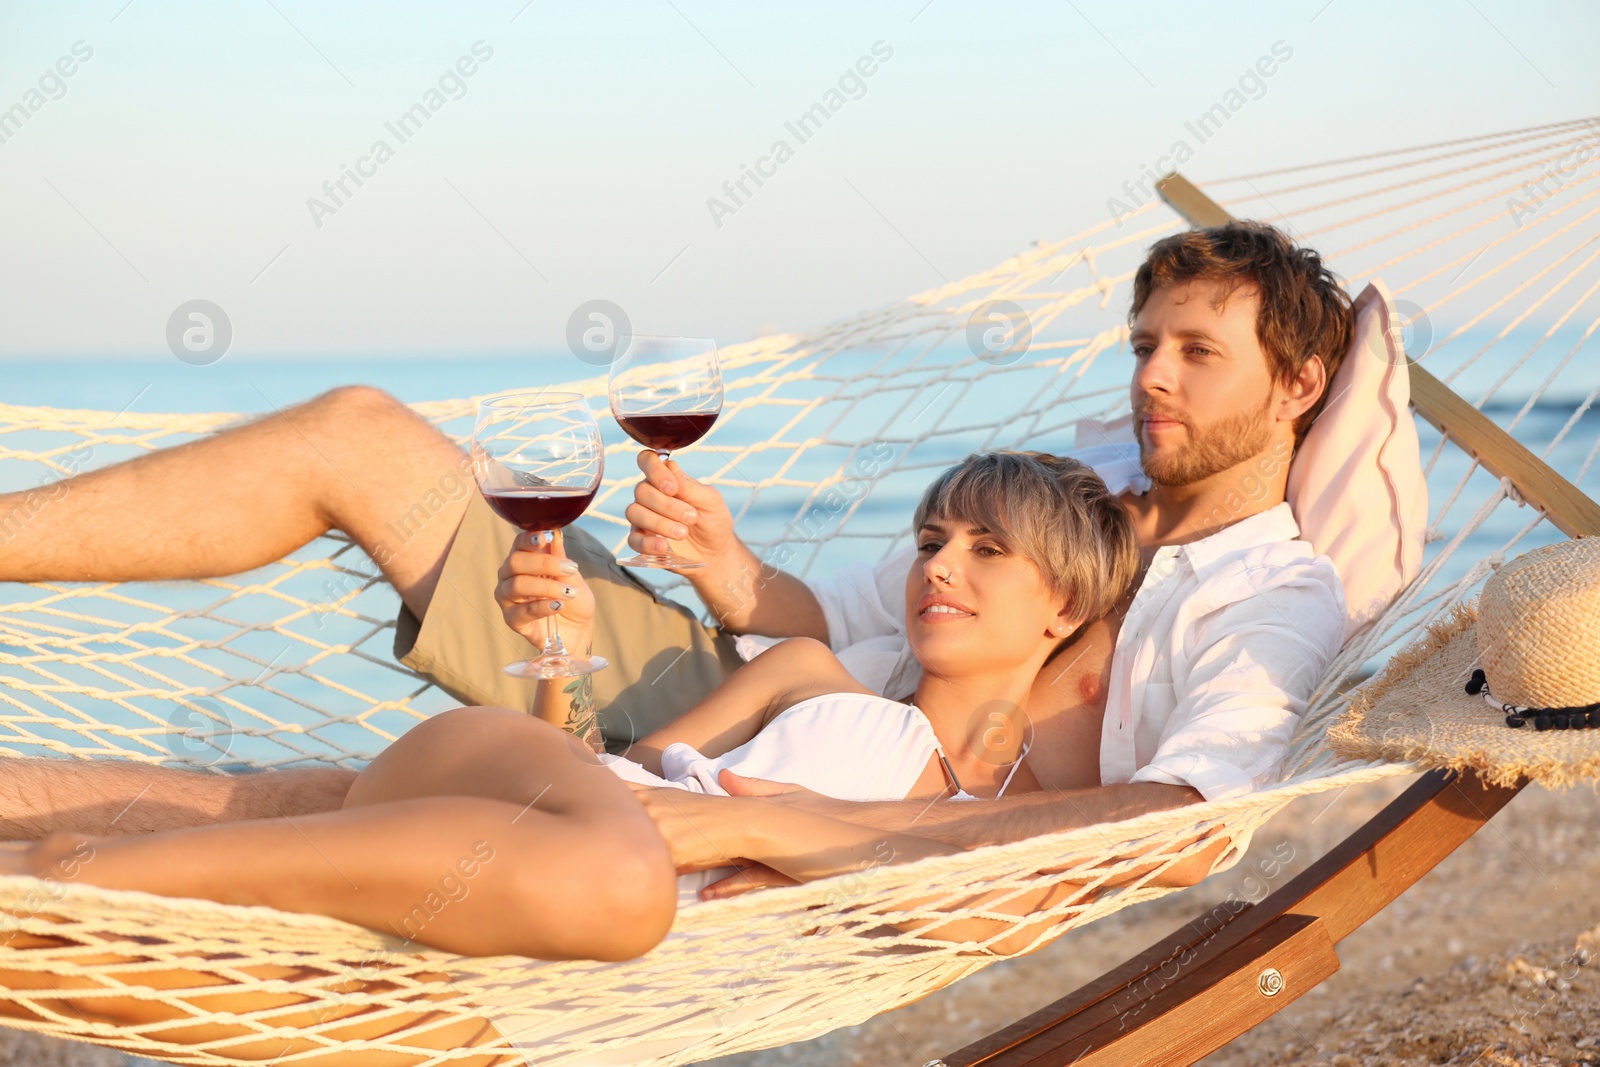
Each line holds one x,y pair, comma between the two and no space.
1202,393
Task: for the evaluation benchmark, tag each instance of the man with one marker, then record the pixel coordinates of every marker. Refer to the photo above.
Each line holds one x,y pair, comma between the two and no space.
1236,334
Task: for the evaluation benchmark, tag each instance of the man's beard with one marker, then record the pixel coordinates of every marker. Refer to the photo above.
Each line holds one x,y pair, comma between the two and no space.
1211,449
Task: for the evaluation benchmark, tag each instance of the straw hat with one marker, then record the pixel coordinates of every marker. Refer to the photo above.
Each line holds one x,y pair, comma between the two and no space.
1509,688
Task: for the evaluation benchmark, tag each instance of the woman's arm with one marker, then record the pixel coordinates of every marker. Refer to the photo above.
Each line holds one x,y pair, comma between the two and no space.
537,582
568,705
736,710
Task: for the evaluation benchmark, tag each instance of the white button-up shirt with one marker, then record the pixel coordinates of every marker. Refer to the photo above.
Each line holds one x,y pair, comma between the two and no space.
1216,658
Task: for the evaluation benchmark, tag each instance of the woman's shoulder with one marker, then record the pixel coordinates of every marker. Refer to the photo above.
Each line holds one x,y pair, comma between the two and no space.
805,656
806,669
856,700
797,647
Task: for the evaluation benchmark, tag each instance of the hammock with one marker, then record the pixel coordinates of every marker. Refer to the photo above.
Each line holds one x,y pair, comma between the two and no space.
826,440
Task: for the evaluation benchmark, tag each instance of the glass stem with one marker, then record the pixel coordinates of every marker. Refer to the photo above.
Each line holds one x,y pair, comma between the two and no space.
667,555
553,645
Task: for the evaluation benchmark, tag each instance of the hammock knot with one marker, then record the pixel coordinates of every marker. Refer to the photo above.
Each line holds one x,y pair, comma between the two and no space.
1107,287
1511,492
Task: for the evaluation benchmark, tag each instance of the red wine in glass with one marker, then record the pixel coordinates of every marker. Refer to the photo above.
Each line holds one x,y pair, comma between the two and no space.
540,507
538,460
666,393
668,433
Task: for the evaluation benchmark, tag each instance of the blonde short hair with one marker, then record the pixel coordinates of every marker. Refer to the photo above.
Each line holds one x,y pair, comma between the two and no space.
1053,510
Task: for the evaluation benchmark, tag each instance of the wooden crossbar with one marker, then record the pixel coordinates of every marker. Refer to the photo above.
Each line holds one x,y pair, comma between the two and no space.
1564,504
1211,980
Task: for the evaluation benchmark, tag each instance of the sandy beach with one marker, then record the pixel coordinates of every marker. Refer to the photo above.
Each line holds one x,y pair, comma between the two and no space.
1489,960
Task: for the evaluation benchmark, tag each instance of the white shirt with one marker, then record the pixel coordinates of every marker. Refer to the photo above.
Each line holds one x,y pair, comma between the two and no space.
1214,663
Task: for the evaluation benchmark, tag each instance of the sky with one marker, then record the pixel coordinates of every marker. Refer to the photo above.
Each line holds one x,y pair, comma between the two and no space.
561,153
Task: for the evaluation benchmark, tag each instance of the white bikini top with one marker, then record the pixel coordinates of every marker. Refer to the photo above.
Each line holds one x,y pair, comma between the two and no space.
850,746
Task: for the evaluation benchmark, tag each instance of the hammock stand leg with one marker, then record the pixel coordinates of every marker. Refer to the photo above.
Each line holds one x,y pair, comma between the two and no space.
1216,977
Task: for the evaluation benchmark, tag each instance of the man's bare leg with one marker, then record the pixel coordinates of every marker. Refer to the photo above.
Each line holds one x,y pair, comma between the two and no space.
353,459
104,797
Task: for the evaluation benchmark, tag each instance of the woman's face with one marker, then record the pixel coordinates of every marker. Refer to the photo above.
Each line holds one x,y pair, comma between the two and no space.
973,601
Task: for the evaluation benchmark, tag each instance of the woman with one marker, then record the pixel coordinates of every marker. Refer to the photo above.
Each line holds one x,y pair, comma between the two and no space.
484,831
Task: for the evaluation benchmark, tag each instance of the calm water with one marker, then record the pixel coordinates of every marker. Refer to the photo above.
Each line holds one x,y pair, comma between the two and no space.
926,422
167,385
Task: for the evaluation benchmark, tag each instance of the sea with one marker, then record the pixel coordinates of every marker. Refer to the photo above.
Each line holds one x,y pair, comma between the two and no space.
1560,425
783,519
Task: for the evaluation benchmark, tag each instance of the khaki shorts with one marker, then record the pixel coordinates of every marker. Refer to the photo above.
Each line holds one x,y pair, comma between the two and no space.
662,660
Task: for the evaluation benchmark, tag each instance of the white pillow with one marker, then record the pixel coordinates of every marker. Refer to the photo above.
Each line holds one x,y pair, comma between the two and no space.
1356,484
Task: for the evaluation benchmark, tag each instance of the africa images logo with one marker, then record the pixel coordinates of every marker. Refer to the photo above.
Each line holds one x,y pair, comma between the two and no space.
199,332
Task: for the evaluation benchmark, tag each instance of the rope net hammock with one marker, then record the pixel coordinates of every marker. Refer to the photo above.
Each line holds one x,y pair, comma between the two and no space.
826,441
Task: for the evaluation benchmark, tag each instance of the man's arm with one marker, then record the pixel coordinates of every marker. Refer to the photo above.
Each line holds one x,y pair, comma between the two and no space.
973,824
705,831
672,510
105,796
747,596
940,828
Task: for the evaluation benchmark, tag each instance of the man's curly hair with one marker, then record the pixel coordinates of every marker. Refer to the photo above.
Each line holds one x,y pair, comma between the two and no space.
1305,312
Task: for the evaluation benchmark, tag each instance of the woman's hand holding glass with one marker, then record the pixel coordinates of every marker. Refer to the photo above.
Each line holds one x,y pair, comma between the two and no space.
538,461
538,581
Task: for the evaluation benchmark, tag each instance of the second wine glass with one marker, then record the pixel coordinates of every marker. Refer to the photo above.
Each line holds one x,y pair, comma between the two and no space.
666,393
538,461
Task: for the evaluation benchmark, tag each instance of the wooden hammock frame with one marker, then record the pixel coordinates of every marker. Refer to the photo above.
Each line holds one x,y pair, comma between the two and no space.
1211,980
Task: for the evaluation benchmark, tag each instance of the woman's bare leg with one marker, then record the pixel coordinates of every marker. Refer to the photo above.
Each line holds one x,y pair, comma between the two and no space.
354,459
481,831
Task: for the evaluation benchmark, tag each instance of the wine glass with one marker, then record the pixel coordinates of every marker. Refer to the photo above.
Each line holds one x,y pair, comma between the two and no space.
666,392
538,461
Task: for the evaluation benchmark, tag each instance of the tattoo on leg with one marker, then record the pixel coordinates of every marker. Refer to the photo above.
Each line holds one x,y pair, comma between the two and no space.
582,722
